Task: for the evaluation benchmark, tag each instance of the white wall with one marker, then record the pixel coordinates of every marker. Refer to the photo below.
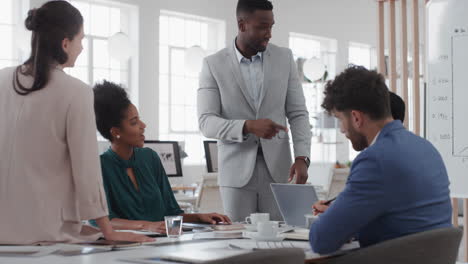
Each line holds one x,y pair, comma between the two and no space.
343,20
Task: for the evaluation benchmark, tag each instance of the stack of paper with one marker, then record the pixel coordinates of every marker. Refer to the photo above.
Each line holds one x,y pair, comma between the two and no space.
26,251
298,234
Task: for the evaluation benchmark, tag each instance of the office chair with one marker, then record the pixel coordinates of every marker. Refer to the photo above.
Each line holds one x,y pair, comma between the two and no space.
438,246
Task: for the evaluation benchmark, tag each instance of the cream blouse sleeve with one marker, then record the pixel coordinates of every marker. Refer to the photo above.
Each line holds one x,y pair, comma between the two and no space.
82,145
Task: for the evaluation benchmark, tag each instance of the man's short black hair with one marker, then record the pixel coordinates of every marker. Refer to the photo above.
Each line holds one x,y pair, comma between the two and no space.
110,104
358,89
397,105
250,6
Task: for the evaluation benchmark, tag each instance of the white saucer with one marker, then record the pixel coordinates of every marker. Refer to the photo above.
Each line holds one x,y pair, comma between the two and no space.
253,228
250,227
257,237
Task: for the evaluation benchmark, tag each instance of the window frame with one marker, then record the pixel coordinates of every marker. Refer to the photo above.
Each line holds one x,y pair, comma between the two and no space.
216,37
131,30
324,139
20,9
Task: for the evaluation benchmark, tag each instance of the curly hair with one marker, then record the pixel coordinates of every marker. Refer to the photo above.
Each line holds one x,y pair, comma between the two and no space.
110,103
358,89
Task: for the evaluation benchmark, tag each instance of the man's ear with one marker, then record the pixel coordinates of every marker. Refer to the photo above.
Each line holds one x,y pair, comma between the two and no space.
241,24
357,118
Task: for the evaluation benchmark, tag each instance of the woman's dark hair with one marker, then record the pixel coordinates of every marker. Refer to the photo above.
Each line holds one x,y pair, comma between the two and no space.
358,89
250,6
110,104
50,24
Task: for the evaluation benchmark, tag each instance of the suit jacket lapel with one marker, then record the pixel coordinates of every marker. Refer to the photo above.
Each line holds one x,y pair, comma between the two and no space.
266,74
238,76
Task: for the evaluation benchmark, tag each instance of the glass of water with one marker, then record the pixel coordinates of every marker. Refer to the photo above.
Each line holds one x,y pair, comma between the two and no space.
173,225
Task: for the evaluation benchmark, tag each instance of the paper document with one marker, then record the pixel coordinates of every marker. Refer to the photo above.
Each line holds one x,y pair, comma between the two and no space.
298,234
218,235
204,255
253,245
144,232
26,251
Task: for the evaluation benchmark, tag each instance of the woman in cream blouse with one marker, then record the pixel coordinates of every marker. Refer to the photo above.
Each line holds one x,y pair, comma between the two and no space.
50,178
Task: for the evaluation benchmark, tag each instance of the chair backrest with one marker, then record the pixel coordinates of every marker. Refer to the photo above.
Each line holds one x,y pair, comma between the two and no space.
460,206
438,246
267,256
209,197
337,181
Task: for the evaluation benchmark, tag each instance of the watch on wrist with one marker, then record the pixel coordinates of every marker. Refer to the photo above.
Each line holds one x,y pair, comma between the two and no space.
305,159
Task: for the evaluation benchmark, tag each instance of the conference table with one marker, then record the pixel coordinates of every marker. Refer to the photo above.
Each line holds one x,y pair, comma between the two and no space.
60,253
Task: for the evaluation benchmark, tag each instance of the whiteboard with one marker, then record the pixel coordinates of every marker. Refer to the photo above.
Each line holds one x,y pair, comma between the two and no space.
447,87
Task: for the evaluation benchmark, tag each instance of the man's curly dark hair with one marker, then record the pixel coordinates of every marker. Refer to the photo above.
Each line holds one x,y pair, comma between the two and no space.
358,89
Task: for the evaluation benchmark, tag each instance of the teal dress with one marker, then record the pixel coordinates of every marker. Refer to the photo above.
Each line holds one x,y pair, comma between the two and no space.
152,201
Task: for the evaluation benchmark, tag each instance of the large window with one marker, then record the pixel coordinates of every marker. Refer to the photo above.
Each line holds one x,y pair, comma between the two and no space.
14,43
177,87
303,46
103,19
362,55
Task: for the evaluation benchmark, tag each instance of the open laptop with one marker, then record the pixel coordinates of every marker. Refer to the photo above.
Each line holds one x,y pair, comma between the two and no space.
294,201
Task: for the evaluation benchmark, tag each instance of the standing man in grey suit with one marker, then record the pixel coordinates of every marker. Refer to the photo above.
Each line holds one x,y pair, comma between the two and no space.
247,91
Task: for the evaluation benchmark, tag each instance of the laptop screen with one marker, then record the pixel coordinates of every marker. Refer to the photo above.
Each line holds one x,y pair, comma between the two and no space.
294,201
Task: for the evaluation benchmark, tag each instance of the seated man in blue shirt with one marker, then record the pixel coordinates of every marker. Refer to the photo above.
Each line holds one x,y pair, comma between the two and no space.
398,184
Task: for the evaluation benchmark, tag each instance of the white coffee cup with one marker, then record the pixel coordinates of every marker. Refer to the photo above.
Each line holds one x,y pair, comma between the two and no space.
256,218
268,229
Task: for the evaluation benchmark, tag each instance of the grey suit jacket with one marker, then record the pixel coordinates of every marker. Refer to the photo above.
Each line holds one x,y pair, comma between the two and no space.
224,103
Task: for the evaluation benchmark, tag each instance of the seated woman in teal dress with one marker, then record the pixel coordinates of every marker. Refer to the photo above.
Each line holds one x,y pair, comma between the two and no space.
137,188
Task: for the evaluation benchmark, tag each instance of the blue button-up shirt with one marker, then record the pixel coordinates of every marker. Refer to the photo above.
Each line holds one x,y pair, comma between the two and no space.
252,73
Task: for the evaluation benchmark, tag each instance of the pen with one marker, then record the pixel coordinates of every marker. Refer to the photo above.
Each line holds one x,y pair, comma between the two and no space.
325,203
329,201
234,246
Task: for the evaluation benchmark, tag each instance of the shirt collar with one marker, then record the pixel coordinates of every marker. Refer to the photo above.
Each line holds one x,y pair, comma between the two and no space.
375,138
240,56
121,162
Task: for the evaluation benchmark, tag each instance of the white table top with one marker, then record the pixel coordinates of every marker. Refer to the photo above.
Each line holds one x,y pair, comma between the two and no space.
162,246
